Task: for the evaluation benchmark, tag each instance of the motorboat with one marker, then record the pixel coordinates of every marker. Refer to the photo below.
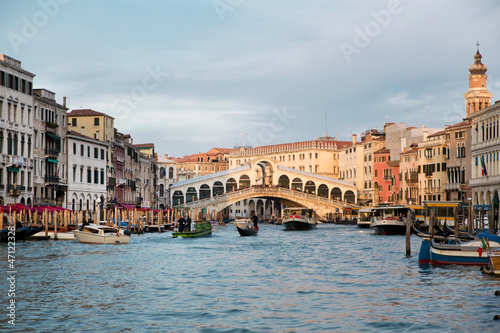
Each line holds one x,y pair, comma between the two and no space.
201,229
101,234
390,220
300,218
365,217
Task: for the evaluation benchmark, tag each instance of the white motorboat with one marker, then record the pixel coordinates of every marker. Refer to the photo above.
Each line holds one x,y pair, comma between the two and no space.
300,218
365,217
390,220
101,234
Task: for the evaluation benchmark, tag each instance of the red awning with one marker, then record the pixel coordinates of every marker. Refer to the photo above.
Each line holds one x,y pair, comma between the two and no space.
126,206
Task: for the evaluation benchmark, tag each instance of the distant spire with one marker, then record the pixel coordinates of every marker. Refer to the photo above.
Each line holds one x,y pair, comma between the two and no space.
477,44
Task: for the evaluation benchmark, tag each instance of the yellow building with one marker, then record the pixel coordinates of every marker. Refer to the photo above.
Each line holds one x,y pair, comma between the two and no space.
320,156
99,126
432,168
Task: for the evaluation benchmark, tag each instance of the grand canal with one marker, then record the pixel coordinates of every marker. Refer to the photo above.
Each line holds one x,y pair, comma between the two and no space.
331,279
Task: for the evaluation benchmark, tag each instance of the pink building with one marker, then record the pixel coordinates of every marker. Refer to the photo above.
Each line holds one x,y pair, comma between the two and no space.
386,177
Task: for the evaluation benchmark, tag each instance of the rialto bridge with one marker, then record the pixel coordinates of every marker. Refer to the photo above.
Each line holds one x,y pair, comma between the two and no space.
262,185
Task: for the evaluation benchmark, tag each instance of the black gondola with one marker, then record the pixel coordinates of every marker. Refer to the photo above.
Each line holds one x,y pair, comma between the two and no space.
247,232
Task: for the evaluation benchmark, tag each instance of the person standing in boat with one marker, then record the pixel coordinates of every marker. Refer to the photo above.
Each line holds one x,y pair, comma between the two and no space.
181,223
255,220
188,224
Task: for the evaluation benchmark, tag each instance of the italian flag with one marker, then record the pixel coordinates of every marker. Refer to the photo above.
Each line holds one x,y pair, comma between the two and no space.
483,166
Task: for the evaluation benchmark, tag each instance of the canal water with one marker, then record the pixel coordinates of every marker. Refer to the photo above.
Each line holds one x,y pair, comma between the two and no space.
331,279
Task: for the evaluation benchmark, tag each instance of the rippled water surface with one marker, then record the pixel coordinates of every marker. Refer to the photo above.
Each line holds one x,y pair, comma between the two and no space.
331,279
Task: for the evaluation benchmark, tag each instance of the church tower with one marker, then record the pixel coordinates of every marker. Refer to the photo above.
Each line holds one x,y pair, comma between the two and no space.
478,97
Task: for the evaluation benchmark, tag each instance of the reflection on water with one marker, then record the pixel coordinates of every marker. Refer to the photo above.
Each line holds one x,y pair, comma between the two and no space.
333,278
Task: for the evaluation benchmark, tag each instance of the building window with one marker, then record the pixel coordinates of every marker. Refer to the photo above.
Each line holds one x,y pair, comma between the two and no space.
73,121
96,121
89,175
102,177
96,176
102,154
96,151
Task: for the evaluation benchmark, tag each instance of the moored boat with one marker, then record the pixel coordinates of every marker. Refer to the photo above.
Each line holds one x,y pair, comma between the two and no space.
390,220
202,229
19,234
450,251
101,234
299,218
245,227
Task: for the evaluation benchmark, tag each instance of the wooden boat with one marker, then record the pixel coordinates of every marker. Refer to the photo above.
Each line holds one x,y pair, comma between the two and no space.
63,233
450,251
101,234
245,227
493,266
365,217
390,220
300,218
202,229
21,233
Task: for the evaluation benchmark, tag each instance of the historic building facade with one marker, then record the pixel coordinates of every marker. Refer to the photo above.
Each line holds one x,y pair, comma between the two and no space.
50,126
87,172
485,136
16,132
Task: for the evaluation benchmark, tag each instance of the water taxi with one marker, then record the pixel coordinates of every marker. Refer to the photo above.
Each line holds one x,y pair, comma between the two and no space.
101,234
300,218
365,217
390,220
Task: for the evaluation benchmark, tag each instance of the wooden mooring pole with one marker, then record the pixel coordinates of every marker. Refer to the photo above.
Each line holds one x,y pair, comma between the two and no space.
409,222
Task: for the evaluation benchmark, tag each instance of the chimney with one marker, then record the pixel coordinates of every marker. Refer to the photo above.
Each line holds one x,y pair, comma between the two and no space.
64,101
354,138
422,126
83,130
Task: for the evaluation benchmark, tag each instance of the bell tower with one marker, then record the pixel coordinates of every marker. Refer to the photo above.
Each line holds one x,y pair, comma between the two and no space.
478,97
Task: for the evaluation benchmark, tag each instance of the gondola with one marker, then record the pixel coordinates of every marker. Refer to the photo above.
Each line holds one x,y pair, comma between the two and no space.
248,232
20,235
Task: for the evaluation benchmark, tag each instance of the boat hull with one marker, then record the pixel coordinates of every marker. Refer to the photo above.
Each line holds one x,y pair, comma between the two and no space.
388,227
363,224
20,235
298,225
203,229
86,237
247,232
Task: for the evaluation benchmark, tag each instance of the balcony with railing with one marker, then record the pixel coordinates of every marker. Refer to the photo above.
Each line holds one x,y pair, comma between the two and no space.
52,179
52,151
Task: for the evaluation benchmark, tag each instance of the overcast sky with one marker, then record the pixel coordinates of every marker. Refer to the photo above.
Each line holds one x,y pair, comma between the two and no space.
196,74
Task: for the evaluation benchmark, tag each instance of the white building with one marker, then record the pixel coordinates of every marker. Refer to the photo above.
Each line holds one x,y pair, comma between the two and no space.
86,172
16,132
167,175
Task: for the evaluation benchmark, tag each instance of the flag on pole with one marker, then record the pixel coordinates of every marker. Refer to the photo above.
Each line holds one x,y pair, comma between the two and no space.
483,166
